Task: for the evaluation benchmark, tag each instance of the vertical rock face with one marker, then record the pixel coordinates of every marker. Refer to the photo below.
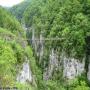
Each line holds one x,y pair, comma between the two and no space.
24,26
72,68
88,73
38,45
53,64
35,42
88,57
33,39
41,47
25,74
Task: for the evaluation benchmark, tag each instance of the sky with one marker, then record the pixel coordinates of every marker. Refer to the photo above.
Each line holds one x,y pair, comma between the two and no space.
9,3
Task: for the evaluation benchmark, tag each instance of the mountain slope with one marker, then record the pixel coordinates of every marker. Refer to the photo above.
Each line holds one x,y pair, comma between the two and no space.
57,30
13,51
67,22
19,9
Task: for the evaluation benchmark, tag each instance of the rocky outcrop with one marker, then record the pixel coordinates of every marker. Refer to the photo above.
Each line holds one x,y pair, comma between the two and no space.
88,73
72,67
53,65
38,45
41,47
25,74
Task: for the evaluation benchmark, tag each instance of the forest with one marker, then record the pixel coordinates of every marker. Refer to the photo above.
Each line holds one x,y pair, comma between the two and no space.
45,45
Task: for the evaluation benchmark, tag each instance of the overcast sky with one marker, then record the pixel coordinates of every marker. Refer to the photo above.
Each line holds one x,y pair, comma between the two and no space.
9,3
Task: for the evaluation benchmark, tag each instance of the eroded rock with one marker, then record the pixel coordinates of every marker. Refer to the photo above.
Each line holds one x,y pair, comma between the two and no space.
25,74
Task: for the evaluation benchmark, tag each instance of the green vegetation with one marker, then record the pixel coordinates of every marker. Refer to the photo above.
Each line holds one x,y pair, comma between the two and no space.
12,51
65,19
9,22
19,9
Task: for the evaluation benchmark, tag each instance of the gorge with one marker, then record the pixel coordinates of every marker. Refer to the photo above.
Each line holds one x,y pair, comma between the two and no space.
45,45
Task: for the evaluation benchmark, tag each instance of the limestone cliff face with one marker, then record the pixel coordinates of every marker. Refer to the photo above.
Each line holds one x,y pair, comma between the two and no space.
25,74
38,45
53,65
70,67
88,73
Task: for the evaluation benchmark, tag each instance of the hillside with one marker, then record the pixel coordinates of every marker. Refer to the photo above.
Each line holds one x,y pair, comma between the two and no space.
51,49
18,10
68,23
13,50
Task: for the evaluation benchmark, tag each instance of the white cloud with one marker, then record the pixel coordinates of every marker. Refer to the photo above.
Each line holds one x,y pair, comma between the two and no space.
9,3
